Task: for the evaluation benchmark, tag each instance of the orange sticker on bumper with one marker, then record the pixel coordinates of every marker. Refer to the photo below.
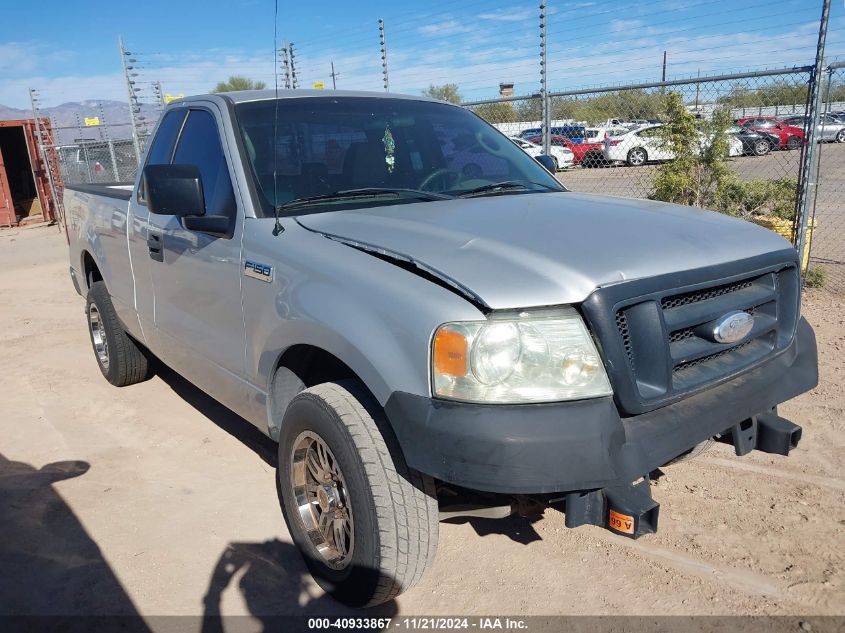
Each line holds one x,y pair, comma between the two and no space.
621,522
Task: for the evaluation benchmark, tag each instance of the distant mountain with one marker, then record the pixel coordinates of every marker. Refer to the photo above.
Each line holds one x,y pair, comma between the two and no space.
68,118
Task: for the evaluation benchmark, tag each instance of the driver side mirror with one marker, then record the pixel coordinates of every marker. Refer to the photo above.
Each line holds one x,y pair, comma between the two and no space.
547,161
177,190
174,190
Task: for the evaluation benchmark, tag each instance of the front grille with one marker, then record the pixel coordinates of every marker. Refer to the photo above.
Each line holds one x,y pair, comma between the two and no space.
664,338
702,295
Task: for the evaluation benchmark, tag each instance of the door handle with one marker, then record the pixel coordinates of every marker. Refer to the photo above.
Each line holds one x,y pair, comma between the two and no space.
154,246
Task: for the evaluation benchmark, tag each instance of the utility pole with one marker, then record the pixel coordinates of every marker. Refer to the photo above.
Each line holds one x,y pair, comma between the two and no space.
293,82
285,65
544,88
134,107
383,44
159,96
663,76
334,78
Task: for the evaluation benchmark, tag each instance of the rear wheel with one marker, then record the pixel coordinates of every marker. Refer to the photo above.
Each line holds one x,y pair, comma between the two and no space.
761,148
365,522
840,136
120,358
793,142
637,156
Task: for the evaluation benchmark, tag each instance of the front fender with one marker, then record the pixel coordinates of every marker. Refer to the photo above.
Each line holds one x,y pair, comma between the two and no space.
375,317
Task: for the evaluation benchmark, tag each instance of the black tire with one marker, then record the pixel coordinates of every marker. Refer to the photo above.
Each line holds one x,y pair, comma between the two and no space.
840,136
393,508
793,142
593,159
557,164
637,156
121,360
761,148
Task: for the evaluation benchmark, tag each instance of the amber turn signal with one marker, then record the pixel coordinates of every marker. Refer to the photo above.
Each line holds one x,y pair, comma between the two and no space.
450,353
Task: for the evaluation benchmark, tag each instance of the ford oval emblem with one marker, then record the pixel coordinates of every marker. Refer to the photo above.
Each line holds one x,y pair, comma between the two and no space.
732,327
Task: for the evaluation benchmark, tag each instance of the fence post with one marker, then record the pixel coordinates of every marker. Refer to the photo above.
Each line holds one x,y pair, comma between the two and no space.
544,87
104,129
808,172
84,145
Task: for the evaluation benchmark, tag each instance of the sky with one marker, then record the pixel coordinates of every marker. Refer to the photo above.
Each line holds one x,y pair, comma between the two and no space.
68,51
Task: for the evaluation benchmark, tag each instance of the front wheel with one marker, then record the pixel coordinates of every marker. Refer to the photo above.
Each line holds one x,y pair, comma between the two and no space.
793,142
840,136
367,524
637,157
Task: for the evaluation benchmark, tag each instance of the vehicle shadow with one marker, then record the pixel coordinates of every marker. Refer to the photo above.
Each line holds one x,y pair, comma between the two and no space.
50,565
274,583
223,417
518,528
270,576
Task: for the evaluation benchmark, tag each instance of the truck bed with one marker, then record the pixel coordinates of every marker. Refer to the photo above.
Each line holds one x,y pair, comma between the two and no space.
119,190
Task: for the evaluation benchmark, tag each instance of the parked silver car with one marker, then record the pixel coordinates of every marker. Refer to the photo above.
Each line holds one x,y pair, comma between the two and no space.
828,128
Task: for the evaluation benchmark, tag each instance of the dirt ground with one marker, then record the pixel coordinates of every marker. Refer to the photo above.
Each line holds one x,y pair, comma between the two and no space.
153,499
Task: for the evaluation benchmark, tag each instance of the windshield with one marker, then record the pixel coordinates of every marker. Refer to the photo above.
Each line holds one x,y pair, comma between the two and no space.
325,145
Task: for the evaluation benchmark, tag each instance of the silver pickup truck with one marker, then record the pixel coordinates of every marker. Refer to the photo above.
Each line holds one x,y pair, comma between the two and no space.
428,323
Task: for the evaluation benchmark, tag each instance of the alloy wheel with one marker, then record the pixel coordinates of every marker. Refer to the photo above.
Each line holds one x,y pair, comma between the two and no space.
322,501
98,335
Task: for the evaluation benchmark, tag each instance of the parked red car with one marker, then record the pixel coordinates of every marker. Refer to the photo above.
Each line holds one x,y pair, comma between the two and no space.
790,136
586,154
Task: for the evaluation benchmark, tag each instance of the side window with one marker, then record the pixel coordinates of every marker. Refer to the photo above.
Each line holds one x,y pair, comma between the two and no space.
651,132
199,144
162,147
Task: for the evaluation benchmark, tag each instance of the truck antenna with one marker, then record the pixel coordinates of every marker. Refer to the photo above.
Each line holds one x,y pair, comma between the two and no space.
277,227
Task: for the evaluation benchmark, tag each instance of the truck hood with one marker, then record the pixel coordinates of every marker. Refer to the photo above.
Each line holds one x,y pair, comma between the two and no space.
520,251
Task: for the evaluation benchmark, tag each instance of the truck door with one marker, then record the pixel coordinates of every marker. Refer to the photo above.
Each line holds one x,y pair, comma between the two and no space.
137,229
196,276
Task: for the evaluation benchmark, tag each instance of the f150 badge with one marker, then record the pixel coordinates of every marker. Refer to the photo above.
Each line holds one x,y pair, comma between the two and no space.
259,271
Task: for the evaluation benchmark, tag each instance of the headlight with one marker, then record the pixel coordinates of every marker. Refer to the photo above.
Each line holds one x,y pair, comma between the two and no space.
537,356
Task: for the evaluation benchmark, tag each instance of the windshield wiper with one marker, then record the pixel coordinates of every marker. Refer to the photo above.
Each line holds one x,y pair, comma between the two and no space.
366,192
505,185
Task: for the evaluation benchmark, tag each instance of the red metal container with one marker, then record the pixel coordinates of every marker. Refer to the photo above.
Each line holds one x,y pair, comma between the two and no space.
25,193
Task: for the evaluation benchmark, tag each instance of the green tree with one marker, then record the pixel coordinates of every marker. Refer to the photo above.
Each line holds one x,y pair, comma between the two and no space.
500,112
236,82
446,92
699,175
699,170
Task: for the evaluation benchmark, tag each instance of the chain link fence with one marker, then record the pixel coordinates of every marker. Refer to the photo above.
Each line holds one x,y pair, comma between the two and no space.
618,141
95,154
827,219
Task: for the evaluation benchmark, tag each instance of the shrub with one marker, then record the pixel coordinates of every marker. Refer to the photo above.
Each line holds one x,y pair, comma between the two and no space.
756,198
815,277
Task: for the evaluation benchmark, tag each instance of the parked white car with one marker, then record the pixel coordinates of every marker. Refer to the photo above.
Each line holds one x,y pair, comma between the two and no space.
563,156
639,146
598,134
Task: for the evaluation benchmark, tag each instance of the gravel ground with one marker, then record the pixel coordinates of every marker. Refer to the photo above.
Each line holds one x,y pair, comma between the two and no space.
154,499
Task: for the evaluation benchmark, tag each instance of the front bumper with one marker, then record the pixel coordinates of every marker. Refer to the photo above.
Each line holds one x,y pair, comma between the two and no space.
585,444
